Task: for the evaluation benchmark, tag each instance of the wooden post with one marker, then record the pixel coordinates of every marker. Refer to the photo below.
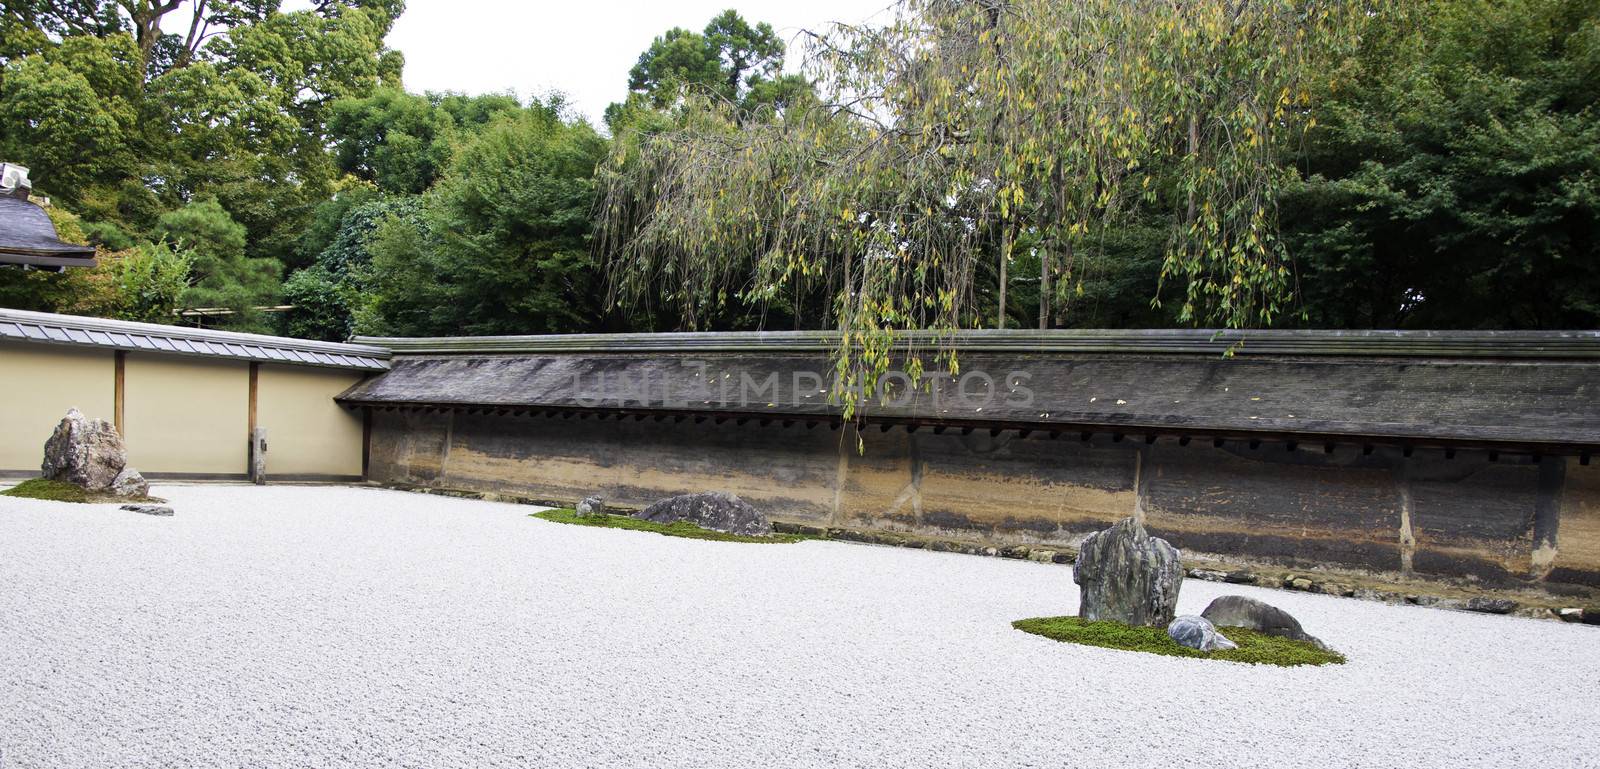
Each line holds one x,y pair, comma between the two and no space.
255,459
118,388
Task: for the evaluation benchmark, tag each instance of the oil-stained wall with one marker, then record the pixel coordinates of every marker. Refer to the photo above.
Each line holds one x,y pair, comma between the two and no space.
186,416
38,383
308,435
1428,513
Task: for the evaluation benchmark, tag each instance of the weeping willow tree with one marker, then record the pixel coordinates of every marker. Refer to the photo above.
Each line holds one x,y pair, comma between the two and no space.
942,140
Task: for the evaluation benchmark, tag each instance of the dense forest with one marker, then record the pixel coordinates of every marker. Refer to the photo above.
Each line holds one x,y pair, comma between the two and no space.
1436,164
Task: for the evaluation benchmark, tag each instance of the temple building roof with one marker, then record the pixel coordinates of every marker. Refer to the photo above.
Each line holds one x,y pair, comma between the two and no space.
28,237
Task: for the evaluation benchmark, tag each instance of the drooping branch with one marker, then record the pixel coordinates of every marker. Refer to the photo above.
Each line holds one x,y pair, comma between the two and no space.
961,129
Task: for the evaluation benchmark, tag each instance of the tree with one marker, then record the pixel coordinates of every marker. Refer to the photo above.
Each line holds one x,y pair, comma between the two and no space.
954,133
402,142
72,113
327,294
729,60
222,275
500,244
143,283
1453,180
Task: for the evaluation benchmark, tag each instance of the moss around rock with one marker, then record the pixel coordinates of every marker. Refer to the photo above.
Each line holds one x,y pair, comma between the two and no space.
676,529
1256,648
60,491
52,491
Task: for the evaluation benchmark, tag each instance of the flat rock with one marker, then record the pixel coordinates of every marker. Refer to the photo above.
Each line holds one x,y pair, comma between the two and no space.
1198,633
1248,613
149,509
1125,575
715,510
1491,605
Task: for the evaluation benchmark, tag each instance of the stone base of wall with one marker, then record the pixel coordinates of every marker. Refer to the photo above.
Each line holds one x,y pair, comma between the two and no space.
1465,519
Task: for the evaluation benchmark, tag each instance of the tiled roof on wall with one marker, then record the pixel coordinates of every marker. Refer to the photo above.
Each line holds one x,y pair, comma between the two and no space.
48,328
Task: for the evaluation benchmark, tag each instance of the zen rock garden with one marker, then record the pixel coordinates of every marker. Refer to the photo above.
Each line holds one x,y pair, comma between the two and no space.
1128,579
712,515
85,461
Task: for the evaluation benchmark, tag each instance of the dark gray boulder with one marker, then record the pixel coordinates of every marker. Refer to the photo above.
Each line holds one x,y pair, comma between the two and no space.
160,510
715,510
1248,613
1125,575
1198,633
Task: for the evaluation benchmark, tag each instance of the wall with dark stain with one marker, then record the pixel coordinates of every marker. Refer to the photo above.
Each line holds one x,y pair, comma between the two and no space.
1500,519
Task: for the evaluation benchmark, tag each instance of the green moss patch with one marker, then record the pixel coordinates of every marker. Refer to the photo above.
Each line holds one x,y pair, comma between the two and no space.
677,529
1254,647
51,491
60,491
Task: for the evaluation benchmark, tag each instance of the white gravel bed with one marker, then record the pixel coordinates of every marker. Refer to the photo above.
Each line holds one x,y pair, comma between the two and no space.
350,627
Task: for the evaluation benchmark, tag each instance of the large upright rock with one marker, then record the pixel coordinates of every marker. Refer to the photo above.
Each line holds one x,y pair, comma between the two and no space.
85,452
717,511
89,453
1127,576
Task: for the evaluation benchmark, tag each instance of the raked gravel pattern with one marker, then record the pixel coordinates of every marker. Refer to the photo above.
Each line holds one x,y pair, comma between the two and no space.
354,627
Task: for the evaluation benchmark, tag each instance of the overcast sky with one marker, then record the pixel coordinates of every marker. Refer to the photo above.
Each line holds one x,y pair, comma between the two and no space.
584,49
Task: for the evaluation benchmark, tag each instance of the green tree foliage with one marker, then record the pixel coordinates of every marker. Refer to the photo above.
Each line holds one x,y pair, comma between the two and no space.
402,142
730,60
500,244
327,295
222,275
144,283
72,112
1454,179
948,136
124,123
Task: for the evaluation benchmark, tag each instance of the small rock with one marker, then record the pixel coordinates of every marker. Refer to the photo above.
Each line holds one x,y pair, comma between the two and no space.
1240,611
1491,605
1570,615
1208,575
1299,583
1591,616
129,483
149,509
1367,594
591,506
1533,612
1014,551
1064,557
1042,556
1198,633
716,511
991,551
1240,577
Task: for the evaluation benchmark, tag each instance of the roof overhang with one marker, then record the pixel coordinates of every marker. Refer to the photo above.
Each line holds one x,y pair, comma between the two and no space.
50,328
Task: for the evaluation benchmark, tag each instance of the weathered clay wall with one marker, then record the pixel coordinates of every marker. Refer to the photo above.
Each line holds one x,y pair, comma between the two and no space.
1505,518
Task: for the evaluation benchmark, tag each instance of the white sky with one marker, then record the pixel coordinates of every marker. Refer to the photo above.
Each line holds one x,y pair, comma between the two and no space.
583,49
